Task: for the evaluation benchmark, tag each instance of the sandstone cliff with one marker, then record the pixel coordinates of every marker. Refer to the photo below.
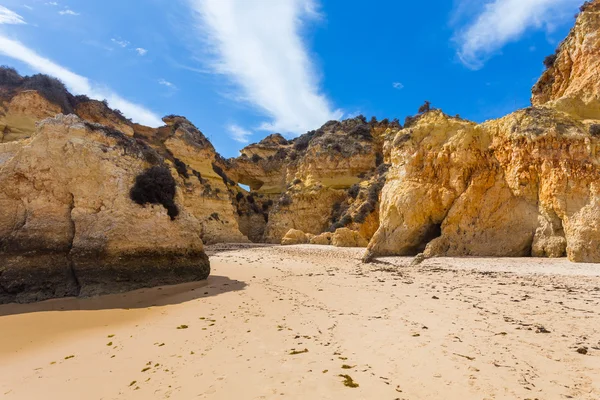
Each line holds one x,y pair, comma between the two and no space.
99,203
69,226
209,194
321,180
572,82
523,185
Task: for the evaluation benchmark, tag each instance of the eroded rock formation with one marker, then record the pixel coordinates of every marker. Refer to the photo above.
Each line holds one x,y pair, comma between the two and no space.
93,203
323,180
68,225
572,82
524,185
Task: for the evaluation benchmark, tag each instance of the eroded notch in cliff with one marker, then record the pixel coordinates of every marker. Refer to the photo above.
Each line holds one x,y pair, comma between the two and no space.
430,232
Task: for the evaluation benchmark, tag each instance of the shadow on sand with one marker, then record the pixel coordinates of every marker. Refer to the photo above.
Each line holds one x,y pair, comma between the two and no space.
213,249
141,298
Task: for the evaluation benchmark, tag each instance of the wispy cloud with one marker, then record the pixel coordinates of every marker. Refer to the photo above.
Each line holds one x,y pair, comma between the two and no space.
52,3
239,134
397,85
502,21
120,42
258,45
76,83
10,17
166,83
68,12
141,51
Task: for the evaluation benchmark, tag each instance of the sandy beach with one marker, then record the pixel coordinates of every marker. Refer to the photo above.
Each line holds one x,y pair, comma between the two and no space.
313,322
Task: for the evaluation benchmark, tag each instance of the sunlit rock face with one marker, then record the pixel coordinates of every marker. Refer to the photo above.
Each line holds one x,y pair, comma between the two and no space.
522,185
572,82
320,180
20,113
69,225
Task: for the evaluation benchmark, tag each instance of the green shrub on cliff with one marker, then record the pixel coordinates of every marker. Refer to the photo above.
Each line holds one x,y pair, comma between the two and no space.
155,186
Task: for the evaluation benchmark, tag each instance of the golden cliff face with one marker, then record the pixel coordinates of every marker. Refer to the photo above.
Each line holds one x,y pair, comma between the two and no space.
523,185
572,82
69,226
20,113
308,179
208,192
99,113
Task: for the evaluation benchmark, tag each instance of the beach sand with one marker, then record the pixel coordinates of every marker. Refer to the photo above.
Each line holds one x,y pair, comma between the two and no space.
298,322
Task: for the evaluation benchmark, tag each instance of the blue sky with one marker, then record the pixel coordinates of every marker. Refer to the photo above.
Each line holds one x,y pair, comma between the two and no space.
241,69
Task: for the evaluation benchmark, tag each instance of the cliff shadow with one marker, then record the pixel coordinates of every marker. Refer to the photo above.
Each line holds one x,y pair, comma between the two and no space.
136,299
213,249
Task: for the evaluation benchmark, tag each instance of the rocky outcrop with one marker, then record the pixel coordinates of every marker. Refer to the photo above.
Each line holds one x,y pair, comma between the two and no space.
69,226
572,83
294,236
523,185
344,237
20,113
309,179
208,192
99,113
324,239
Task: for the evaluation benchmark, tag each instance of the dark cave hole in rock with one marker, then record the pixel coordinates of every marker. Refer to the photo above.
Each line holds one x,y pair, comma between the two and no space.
431,232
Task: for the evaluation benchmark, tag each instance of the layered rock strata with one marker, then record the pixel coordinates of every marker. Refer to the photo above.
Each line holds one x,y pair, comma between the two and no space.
69,226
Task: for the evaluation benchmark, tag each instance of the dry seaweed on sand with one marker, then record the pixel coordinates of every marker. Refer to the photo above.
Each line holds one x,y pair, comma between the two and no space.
348,381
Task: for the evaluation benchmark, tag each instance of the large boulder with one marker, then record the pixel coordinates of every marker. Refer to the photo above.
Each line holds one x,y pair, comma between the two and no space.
344,237
69,226
322,239
294,236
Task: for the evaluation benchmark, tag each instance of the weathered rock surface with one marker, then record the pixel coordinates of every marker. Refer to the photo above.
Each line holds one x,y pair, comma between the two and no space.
526,184
99,113
322,239
523,185
209,194
308,179
69,227
344,237
19,114
294,236
572,83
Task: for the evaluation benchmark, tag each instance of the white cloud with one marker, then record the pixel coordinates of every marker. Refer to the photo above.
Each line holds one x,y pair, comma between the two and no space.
397,85
239,134
120,42
504,21
52,3
68,12
28,7
258,45
166,83
76,83
10,17
141,51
